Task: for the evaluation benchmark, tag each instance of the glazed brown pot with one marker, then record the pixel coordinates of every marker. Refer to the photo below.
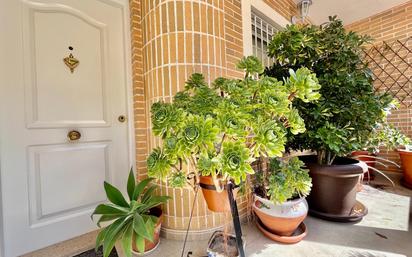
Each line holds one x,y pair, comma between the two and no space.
406,160
334,186
149,246
370,161
216,201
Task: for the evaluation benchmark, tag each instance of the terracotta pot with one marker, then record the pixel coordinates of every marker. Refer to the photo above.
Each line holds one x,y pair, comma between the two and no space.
216,201
370,175
334,186
150,246
406,160
282,219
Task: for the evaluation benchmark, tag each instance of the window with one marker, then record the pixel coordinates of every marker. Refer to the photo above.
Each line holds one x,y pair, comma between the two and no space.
262,33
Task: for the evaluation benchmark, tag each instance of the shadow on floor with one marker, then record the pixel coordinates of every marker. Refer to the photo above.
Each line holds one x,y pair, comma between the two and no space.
99,253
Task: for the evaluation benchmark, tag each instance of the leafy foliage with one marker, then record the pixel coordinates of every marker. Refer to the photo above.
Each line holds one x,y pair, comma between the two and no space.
132,220
386,135
220,130
284,180
348,111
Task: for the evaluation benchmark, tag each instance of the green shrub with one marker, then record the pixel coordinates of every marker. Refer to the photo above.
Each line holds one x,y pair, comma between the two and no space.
349,110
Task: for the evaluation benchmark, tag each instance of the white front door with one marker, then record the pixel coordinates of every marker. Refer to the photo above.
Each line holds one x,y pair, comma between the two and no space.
49,183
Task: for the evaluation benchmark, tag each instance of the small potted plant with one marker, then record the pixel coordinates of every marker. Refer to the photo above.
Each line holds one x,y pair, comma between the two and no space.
341,121
135,223
384,135
406,161
215,133
279,199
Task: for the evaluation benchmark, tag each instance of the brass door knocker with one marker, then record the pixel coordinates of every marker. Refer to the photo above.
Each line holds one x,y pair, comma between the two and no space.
71,61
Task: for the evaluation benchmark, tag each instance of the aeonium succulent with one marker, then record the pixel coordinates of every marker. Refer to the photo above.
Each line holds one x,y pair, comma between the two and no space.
220,130
286,180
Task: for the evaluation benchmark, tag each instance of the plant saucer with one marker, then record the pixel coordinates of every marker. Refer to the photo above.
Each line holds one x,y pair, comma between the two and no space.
357,213
296,237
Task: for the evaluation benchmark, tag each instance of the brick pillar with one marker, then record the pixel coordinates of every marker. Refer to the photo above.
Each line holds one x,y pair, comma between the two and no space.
181,37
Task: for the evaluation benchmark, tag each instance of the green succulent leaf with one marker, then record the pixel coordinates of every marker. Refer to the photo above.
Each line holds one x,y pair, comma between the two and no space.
114,195
109,210
113,233
139,226
131,183
100,238
140,243
140,187
127,240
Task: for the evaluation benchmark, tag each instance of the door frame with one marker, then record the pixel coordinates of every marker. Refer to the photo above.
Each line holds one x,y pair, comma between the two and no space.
125,7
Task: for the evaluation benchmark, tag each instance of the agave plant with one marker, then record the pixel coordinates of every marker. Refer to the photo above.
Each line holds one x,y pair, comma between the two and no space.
133,222
219,130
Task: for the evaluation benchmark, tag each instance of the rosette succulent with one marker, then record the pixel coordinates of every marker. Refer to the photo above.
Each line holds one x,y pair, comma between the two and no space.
287,179
236,161
284,180
218,131
165,118
197,135
158,163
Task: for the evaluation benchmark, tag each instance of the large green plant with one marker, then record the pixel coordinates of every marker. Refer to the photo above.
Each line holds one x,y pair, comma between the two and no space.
220,130
349,111
284,180
132,220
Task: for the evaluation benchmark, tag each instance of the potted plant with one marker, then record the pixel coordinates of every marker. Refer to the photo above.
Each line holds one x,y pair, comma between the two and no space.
135,223
384,135
341,121
279,200
406,160
215,133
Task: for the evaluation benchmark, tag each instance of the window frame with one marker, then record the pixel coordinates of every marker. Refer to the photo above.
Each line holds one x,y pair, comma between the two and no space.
261,8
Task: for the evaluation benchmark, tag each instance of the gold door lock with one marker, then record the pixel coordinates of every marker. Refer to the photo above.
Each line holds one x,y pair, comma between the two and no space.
74,135
122,118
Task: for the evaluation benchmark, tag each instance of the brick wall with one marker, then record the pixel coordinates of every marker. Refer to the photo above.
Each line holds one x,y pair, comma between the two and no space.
390,25
139,96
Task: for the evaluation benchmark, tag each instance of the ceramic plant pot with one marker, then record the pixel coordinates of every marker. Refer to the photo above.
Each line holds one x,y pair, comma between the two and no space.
406,160
369,159
333,194
280,220
151,246
216,201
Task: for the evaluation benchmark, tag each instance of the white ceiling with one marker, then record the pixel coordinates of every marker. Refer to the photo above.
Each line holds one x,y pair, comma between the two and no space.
348,10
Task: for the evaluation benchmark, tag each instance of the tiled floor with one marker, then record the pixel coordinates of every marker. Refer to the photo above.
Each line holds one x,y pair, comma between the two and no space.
385,231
